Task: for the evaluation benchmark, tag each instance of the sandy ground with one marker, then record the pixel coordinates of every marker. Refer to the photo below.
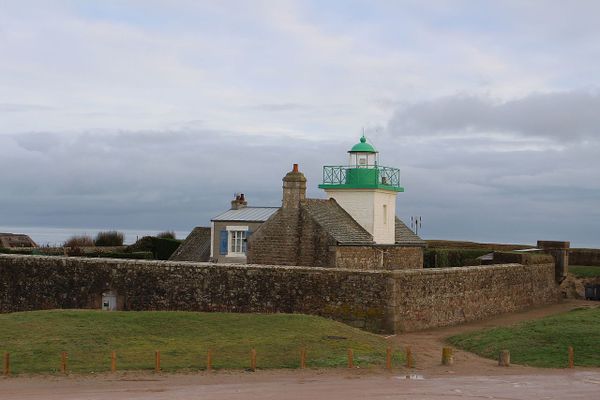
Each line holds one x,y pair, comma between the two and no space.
471,377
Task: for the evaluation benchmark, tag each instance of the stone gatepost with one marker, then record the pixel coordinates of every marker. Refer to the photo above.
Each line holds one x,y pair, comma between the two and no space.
560,252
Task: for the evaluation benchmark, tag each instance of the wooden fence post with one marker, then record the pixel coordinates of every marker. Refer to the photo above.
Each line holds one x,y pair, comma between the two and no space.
157,361
504,358
388,358
447,356
409,358
571,357
253,360
350,358
6,364
209,361
113,361
63,362
303,358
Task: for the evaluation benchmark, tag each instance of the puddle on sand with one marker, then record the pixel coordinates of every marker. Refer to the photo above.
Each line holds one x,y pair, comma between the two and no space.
411,377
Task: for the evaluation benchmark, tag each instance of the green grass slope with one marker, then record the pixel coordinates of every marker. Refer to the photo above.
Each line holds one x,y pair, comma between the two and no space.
36,339
583,271
543,342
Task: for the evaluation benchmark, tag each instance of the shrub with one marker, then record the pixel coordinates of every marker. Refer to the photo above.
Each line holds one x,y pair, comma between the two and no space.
109,238
166,235
79,241
161,248
451,258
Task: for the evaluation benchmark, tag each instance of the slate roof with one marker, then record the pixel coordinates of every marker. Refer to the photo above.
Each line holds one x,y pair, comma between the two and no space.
248,214
407,237
196,247
336,221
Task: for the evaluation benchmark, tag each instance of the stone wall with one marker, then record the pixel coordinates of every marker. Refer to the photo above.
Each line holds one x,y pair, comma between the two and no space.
439,297
379,301
584,257
38,282
378,257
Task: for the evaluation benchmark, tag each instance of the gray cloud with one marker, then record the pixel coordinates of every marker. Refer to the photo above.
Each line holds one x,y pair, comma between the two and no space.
180,179
558,116
7,107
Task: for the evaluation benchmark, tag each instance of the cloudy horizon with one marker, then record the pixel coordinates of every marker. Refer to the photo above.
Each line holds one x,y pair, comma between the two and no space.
151,115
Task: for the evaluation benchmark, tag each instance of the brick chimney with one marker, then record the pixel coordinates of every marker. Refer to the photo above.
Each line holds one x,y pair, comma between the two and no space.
294,188
238,202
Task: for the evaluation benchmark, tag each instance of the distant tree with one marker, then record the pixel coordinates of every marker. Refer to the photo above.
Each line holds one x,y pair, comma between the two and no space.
79,241
166,235
109,238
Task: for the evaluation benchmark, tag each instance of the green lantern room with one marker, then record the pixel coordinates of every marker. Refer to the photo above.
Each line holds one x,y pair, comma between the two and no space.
366,190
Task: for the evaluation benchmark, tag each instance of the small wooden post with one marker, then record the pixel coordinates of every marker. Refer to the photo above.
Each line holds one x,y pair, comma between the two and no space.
504,358
447,356
113,361
303,358
409,358
350,358
253,360
157,361
63,362
209,361
571,357
388,358
6,364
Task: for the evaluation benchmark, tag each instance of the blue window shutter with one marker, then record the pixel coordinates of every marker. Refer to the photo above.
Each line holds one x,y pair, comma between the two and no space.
245,242
223,241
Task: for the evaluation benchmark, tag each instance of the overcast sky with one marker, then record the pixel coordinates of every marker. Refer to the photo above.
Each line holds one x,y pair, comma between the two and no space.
151,114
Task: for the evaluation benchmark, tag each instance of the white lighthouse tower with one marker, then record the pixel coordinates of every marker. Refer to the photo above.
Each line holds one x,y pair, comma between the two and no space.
366,190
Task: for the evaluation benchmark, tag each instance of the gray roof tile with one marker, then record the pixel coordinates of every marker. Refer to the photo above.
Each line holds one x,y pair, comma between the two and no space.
336,221
196,247
407,237
250,214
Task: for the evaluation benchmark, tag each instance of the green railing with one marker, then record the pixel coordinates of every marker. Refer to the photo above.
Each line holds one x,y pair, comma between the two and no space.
365,176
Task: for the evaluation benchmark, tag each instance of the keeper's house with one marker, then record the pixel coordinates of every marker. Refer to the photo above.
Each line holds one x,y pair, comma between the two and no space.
231,230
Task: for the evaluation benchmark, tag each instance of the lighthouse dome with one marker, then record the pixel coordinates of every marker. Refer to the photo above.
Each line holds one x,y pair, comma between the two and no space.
363,147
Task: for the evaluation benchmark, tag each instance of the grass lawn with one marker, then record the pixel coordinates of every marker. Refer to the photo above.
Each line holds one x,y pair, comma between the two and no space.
543,342
584,271
36,339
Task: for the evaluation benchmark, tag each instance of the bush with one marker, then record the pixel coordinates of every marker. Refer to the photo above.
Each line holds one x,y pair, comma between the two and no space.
161,248
79,241
451,258
109,238
166,235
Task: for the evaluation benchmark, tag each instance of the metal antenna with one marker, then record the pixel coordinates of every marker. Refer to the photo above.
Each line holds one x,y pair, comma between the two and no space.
416,223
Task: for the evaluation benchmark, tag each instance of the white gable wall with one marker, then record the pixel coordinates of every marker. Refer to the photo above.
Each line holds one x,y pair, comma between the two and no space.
366,206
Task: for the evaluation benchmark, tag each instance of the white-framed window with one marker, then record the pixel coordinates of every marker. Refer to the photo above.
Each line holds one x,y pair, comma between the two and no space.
233,240
236,242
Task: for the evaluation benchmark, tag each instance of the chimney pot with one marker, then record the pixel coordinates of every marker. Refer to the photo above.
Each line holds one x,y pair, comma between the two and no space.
295,168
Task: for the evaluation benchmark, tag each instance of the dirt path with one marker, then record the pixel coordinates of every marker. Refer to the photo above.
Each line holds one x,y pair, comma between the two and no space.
427,345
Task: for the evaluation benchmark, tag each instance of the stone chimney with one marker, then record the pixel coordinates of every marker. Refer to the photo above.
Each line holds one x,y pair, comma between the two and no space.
294,188
238,202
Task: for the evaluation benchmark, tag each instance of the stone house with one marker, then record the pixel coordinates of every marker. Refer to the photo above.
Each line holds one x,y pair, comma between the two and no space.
320,233
231,229
355,228
196,247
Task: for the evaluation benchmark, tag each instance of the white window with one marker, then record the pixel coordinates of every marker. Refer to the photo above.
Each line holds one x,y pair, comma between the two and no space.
236,242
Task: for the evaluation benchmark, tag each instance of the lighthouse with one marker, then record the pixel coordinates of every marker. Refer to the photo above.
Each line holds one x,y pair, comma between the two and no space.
366,190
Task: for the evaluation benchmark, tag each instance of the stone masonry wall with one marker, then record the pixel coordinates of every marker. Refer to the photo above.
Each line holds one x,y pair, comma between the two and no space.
38,282
584,257
379,301
445,296
379,257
